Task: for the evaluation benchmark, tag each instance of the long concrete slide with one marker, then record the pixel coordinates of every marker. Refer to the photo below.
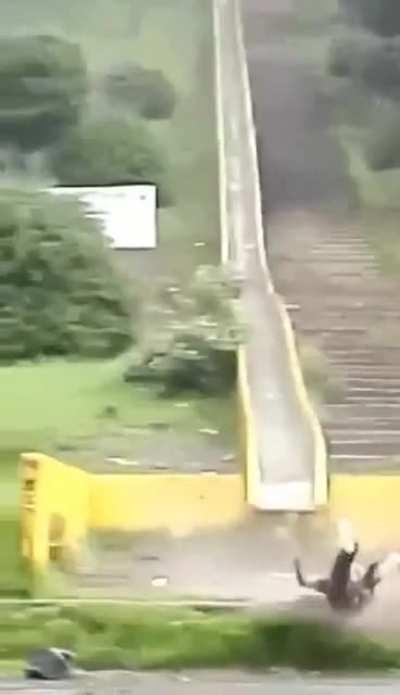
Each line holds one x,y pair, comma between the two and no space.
286,455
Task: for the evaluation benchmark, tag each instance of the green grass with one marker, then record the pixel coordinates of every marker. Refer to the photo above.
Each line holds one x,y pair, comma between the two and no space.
50,404
69,402
115,637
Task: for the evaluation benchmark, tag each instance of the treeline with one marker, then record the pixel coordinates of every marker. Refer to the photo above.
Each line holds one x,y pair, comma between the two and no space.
382,17
59,294
368,57
45,105
59,291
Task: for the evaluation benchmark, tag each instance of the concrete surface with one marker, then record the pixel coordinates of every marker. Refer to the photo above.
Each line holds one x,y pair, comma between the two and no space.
285,438
225,683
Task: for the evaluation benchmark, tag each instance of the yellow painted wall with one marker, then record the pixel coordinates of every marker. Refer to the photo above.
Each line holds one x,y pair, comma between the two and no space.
58,489
179,503
372,503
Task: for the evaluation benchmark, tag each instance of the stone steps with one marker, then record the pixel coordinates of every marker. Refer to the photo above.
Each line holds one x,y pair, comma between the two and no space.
341,305
365,447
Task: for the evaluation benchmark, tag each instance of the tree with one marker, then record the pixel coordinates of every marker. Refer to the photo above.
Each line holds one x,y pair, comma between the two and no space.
147,92
107,152
383,148
382,17
370,61
59,292
43,85
196,339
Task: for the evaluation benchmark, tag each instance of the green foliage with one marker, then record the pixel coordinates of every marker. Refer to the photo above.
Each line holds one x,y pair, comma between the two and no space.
58,292
93,657
197,335
319,377
379,16
342,55
148,92
120,637
108,152
14,578
43,85
383,148
380,67
315,646
62,633
371,62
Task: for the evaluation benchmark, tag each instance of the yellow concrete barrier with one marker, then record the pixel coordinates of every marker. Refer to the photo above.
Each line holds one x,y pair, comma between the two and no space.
178,503
54,508
61,503
372,504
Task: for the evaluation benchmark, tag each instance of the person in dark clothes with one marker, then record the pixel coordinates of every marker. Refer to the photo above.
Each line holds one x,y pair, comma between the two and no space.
344,591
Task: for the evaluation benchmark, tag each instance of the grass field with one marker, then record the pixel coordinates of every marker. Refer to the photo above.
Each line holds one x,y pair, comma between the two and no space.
57,406
127,637
70,403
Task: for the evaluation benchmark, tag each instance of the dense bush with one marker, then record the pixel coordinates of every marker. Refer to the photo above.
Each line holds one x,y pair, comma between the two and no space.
108,152
43,85
147,92
343,55
380,68
383,149
379,16
58,292
372,62
197,336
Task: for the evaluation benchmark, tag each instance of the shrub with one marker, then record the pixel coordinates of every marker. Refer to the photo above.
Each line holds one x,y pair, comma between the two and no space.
148,92
108,152
62,633
380,67
383,148
312,645
58,283
103,657
196,340
43,85
342,56
322,383
379,16
372,62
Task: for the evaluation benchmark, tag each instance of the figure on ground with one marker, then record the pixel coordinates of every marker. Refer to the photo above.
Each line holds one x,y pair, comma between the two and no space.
349,588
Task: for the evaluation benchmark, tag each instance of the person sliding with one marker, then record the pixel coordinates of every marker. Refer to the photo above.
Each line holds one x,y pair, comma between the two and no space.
344,591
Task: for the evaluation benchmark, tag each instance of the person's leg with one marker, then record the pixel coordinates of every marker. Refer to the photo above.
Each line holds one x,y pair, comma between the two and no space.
319,585
340,575
379,570
371,578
